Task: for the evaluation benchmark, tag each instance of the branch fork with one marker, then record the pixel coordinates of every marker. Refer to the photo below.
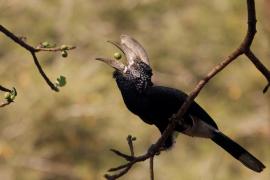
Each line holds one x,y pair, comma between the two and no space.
33,50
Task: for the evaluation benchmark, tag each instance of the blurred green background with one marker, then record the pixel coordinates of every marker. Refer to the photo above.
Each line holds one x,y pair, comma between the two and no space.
67,135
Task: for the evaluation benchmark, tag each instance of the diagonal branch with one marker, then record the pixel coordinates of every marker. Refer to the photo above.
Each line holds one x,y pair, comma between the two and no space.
177,117
16,39
118,153
260,67
48,81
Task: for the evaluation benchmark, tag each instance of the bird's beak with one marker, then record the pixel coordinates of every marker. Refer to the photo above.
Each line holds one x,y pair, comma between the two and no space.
131,48
113,63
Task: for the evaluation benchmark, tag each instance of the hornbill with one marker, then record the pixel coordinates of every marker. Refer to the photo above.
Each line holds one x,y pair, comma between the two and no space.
156,104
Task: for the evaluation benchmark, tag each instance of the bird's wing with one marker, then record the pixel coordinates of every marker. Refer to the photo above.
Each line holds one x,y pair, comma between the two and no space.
169,100
162,102
197,111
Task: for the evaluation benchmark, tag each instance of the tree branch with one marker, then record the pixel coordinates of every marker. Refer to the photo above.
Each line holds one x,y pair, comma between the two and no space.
152,175
5,103
260,67
33,52
2,88
48,81
244,48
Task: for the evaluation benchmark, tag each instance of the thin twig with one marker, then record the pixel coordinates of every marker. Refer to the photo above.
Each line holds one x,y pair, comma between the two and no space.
127,166
260,67
123,166
116,176
54,49
48,81
16,39
118,153
130,140
249,39
3,104
2,88
33,52
152,177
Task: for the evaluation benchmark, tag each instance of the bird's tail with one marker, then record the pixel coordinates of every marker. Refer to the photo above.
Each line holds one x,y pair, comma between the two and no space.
237,151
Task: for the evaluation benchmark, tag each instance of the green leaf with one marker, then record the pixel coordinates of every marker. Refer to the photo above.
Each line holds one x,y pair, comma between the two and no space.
10,96
61,81
7,95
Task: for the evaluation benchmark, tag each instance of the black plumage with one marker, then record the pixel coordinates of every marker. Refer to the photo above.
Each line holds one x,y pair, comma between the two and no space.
156,104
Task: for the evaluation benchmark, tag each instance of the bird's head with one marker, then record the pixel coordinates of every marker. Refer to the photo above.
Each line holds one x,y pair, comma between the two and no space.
137,69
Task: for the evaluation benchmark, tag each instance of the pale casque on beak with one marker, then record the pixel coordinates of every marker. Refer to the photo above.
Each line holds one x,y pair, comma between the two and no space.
131,48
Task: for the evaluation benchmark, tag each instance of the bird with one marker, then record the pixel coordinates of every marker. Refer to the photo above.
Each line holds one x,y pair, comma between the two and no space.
155,104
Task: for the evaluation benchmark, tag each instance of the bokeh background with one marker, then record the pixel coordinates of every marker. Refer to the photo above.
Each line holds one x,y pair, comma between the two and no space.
67,135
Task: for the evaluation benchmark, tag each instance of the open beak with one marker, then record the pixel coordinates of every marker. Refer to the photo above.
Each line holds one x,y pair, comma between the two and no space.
131,48
113,63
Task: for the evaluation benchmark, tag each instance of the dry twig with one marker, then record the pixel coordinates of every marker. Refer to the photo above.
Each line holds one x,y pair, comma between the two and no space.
152,177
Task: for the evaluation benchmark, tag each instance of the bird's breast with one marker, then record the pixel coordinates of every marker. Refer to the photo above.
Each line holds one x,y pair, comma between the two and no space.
139,104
